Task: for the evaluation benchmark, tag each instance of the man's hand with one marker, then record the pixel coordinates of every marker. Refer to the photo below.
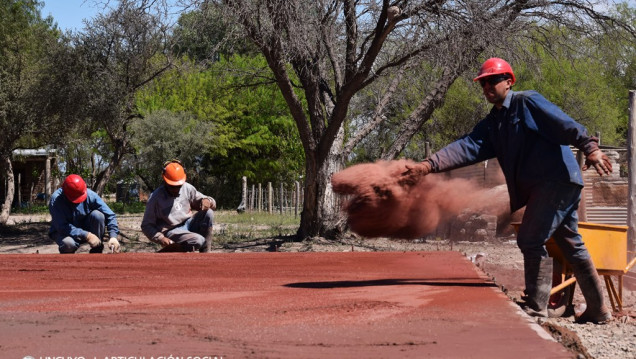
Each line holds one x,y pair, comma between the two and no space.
599,161
113,245
164,241
414,172
208,203
92,240
420,168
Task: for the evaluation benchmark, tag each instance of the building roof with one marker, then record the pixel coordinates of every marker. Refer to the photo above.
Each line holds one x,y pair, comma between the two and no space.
36,152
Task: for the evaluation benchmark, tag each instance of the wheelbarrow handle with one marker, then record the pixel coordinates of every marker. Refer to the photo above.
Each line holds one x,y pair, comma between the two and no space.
563,285
630,265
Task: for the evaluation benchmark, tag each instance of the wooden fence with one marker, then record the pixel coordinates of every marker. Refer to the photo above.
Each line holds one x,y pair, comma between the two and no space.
270,198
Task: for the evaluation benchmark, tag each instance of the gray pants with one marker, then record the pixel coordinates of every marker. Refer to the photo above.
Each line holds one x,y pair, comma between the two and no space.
191,233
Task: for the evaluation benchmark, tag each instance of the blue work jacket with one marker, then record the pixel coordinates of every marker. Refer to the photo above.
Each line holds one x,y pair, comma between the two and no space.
529,136
67,218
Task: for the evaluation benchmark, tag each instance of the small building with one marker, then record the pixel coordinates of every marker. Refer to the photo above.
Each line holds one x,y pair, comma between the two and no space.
33,175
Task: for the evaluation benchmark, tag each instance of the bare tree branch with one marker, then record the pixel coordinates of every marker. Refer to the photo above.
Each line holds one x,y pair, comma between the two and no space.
337,49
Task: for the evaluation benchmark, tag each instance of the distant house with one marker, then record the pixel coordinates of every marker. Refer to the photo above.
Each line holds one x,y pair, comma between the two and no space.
33,174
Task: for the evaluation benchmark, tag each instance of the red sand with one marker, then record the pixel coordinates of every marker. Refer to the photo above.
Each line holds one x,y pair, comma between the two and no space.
385,199
259,305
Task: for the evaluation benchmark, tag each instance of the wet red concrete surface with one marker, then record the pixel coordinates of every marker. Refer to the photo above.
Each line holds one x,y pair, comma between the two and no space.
259,305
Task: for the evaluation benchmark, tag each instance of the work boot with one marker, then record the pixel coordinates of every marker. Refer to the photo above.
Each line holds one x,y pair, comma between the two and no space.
207,246
590,284
538,277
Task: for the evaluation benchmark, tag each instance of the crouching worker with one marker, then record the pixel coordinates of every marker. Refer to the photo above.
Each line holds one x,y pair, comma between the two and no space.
79,215
168,218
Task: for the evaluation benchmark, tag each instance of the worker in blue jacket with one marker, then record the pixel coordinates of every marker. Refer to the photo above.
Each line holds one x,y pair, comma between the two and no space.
530,137
79,215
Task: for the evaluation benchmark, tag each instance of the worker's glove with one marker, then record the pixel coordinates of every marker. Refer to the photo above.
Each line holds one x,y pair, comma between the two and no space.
208,203
92,240
599,161
113,245
415,171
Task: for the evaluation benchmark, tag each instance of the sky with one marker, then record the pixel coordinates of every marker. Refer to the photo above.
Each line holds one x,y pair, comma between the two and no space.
69,13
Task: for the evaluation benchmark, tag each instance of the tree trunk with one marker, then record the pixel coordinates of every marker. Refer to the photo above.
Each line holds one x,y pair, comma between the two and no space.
104,176
5,161
321,214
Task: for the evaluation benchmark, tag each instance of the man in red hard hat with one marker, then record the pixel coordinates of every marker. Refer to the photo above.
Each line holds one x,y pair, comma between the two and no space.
169,218
530,137
79,215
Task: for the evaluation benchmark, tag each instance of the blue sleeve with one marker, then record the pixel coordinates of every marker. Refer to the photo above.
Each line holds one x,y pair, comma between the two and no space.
551,123
62,217
97,203
465,151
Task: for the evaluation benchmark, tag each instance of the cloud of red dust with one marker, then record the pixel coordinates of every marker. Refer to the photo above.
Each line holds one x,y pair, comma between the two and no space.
383,201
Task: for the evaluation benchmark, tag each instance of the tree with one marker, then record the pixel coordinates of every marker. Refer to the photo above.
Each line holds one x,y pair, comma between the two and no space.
26,110
575,74
337,48
578,84
202,36
163,135
233,125
120,53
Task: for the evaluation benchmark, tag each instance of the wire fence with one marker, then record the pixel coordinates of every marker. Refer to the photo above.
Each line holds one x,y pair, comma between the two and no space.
271,198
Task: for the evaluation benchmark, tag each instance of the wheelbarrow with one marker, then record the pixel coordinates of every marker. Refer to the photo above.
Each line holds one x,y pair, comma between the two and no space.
607,245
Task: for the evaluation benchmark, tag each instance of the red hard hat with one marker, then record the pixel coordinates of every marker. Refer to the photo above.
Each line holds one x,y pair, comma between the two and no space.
74,188
174,174
495,66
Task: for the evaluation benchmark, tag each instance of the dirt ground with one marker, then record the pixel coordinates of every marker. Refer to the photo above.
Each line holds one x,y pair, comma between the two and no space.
500,261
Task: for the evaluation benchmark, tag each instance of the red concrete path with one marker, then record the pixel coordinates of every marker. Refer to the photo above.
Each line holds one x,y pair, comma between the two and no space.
259,305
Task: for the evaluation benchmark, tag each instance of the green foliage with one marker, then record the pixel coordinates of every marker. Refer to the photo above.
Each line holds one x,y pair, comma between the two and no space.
241,126
202,35
580,85
127,208
163,135
253,225
256,218
583,83
24,40
464,106
117,207
589,78
32,209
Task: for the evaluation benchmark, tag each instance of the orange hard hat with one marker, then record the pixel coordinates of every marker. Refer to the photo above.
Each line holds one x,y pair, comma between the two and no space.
174,174
74,188
495,66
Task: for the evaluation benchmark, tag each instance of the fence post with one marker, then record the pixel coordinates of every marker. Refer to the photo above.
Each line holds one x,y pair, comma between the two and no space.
282,200
47,178
631,180
260,197
270,195
244,192
252,196
19,190
297,198
582,211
